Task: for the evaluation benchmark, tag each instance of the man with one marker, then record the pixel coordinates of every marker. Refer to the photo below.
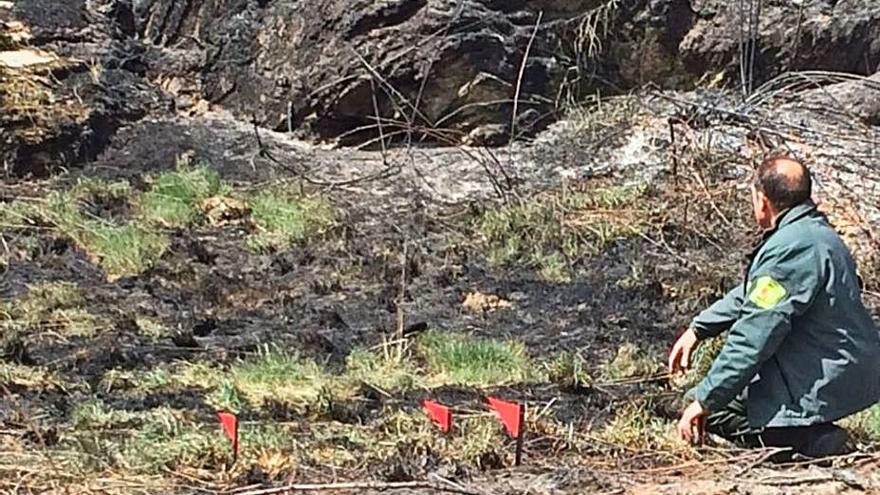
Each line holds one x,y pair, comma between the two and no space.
802,350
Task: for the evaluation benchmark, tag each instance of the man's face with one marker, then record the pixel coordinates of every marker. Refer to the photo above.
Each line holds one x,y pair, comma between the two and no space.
763,210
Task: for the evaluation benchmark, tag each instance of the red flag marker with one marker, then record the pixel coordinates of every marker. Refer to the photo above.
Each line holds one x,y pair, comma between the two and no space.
439,413
512,416
229,423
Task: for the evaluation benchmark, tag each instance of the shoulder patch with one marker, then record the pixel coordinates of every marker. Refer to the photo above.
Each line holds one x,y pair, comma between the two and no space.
766,292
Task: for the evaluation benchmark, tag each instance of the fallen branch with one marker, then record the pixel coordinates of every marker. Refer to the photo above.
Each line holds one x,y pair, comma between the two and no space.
363,485
762,459
792,480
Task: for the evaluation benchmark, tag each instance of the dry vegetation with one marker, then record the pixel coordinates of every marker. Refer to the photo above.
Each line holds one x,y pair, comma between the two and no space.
551,231
149,424
91,215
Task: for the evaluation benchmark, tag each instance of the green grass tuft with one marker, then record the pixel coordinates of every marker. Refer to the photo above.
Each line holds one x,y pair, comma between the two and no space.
459,359
96,415
120,250
169,442
126,250
390,369
177,375
569,370
173,200
282,219
550,232
227,397
42,299
701,362
865,426
32,377
480,442
139,441
279,375
94,188
56,307
635,427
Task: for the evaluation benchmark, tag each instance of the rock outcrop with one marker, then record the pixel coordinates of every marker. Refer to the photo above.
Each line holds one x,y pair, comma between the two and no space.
789,35
70,75
448,68
329,68
356,71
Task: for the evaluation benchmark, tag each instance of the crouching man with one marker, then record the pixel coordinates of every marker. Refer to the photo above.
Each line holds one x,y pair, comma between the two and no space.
802,350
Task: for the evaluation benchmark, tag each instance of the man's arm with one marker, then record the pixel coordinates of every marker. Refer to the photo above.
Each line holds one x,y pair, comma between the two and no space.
718,317
782,285
711,322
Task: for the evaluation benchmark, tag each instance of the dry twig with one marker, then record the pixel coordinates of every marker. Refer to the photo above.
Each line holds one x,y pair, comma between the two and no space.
363,485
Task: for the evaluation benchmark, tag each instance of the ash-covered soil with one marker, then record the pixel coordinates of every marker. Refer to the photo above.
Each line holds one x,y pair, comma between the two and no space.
405,245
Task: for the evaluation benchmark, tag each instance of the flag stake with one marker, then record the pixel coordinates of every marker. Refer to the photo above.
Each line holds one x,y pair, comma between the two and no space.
522,434
512,417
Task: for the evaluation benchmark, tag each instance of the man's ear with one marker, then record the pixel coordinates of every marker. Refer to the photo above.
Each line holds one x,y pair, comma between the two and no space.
766,207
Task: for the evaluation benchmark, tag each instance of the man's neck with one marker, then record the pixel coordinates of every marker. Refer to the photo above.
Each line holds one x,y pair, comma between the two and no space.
775,220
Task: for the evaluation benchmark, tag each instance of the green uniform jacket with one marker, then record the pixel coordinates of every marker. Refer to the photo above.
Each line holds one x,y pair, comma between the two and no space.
800,338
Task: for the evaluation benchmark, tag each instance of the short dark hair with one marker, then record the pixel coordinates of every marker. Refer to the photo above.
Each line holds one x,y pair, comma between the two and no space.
783,190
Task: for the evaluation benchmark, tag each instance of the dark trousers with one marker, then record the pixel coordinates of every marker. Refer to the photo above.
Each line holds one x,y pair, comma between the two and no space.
732,423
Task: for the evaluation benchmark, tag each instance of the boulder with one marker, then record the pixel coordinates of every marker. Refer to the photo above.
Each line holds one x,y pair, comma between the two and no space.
330,68
789,35
858,99
449,70
357,71
69,77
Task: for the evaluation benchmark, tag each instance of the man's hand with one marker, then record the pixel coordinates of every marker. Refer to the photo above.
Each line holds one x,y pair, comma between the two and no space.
692,425
680,356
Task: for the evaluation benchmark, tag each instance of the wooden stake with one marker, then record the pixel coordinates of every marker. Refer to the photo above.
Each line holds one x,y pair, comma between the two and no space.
521,437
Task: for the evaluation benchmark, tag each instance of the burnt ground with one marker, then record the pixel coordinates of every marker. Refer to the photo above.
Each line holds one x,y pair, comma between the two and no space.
92,364
407,215
339,292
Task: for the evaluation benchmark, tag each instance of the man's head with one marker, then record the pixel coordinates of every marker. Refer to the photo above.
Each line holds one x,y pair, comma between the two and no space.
780,183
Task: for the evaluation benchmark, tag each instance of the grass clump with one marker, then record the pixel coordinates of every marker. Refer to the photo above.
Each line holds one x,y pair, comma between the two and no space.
178,375
475,441
632,362
569,370
96,415
168,442
464,360
43,299
32,377
278,375
163,438
480,442
550,232
636,427
389,369
174,198
154,440
54,306
94,188
124,250
271,447
152,328
120,250
227,397
865,426
701,362
282,218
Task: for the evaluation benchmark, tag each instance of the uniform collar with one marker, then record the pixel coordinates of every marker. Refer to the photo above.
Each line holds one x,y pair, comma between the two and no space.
790,216
786,217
